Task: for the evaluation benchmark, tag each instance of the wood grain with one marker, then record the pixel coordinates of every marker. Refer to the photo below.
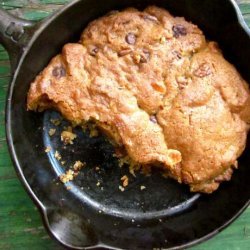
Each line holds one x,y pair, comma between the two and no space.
20,222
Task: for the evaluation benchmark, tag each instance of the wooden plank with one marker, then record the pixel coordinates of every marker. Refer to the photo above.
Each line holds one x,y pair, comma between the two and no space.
20,222
245,8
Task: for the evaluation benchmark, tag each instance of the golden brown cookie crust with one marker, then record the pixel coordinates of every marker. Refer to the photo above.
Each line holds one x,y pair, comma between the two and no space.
154,84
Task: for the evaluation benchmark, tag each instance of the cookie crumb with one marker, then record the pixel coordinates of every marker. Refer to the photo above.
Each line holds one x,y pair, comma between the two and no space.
57,155
78,165
52,131
93,132
121,188
98,184
47,149
55,122
124,180
68,176
143,187
67,136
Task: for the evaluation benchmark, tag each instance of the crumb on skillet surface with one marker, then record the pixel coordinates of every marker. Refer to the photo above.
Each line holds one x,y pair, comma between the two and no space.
73,172
67,136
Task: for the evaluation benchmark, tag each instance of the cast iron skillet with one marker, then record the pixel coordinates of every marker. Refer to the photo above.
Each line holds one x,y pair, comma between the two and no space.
84,215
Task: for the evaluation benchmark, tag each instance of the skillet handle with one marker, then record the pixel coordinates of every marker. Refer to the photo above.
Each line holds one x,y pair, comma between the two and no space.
14,35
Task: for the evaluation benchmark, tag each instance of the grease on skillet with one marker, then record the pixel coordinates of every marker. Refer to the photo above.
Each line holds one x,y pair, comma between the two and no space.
161,92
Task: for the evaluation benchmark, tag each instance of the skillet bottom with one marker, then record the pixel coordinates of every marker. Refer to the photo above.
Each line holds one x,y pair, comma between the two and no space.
160,197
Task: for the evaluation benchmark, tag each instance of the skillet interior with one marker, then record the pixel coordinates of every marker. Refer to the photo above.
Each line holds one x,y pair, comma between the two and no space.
156,217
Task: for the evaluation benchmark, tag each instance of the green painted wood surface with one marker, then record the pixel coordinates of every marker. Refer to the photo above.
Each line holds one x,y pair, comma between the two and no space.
20,222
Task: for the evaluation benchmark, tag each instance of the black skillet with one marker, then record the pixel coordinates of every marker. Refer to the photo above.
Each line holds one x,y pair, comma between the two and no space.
84,215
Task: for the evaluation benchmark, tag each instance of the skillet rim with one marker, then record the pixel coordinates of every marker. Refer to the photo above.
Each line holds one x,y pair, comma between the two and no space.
40,27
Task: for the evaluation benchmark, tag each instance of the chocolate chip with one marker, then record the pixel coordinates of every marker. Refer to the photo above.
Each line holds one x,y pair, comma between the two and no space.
153,119
179,30
124,52
130,38
94,51
150,18
59,72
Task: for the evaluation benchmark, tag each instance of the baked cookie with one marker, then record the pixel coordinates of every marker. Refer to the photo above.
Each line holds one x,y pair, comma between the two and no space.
154,85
